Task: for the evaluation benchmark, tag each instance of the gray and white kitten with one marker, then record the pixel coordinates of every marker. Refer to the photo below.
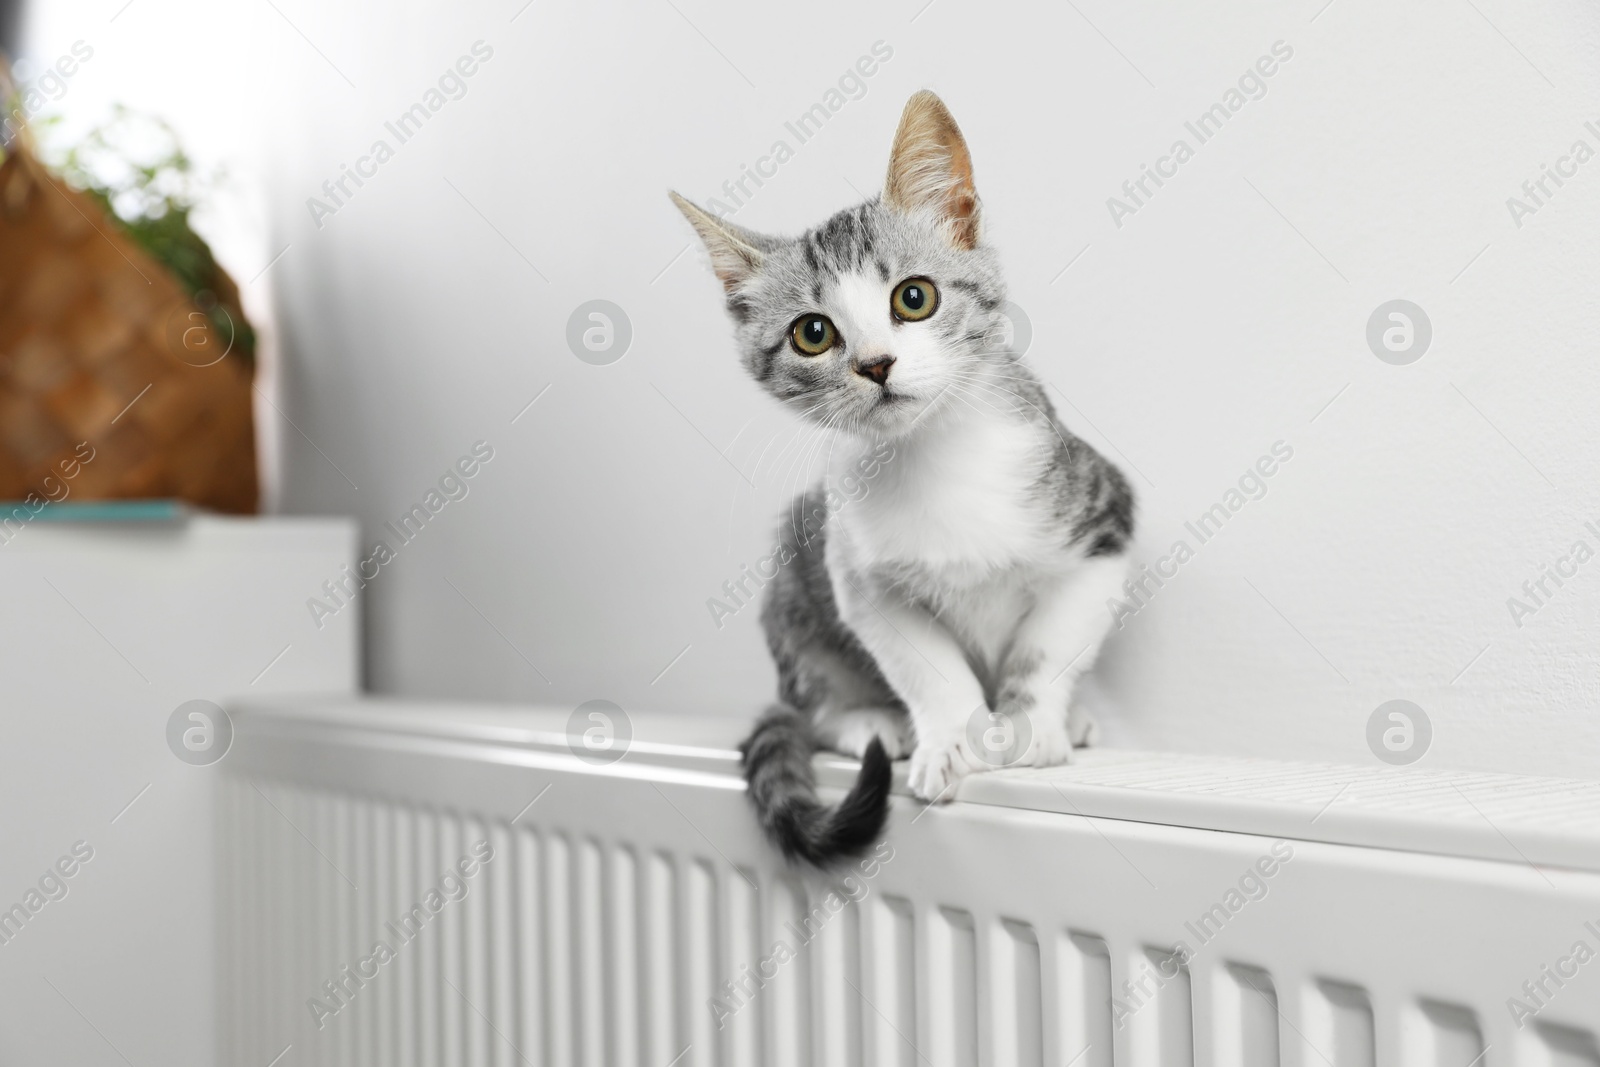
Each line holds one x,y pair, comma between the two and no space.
966,592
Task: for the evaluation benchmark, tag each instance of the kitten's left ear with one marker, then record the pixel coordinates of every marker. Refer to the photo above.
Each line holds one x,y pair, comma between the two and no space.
736,253
930,167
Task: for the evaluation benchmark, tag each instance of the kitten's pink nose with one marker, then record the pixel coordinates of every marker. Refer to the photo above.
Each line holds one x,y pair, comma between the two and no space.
877,369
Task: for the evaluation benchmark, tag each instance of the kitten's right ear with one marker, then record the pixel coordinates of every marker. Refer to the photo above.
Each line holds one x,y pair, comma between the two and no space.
735,251
930,168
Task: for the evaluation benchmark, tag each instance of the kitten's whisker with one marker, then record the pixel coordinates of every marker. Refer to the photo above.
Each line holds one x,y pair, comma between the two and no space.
994,391
1008,377
832,440
1048,415
968,383
796,445
803,437
960,395
799,473
762,457
796,468
779,462
801,534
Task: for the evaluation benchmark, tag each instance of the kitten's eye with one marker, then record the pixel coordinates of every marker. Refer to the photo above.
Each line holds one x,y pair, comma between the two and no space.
914,300
813,335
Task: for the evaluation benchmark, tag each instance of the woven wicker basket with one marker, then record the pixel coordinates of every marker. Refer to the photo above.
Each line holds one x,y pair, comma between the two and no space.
99,343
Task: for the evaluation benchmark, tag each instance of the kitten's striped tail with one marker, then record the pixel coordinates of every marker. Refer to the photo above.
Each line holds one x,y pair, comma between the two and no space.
777,770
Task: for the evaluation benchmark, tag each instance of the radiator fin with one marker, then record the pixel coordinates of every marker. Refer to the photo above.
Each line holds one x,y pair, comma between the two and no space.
560,977
893,996
1339,1025
533,1035
1566,1047
1084,1000
624,958
837,1032
326,814
1018,996
750,996
500,886
664,1019
452,948
472,913
589,952
1158,1010
701,962
783,953
952,987
1247,1017
1451,1035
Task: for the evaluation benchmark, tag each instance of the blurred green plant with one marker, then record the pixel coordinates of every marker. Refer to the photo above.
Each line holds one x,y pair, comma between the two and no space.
134,167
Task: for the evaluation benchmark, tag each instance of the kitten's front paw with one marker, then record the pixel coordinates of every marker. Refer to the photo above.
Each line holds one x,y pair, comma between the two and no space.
937,765
1082,728
1051,747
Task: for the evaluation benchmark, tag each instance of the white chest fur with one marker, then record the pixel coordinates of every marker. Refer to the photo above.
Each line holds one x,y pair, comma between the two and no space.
957,503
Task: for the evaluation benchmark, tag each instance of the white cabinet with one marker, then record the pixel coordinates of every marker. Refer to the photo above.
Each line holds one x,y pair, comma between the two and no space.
105,629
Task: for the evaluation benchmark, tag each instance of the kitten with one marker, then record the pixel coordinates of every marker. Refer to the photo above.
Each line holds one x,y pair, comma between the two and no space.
966,589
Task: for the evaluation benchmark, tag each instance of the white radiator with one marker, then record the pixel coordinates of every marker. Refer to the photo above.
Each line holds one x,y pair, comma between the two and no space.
628,913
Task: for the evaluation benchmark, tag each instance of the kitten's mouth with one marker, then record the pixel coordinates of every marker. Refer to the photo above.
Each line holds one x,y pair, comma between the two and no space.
888,399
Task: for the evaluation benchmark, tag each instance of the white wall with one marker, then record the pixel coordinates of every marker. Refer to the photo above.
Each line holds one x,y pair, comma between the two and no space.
1222,317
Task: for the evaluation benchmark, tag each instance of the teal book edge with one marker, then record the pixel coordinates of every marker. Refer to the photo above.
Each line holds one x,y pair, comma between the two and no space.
97,511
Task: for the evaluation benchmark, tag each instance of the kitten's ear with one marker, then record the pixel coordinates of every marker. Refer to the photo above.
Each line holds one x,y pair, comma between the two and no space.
736,252
930,167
